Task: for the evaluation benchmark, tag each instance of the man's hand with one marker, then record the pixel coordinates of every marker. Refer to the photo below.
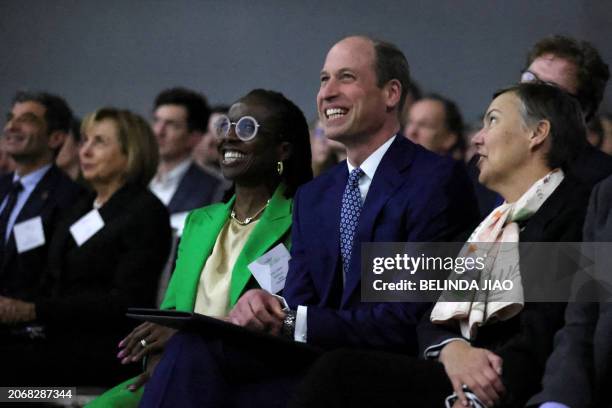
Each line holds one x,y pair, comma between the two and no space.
155,337
260,311
16,311
142,379
479,369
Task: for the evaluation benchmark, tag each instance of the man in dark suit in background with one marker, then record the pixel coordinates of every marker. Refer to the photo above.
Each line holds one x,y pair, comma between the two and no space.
389,190
33,197
435,123
180,118
579,371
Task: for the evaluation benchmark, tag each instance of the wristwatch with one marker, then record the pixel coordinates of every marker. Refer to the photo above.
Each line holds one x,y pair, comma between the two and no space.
289,324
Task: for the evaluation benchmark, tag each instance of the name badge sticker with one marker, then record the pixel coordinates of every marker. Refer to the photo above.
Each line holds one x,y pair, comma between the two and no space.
86,227
29,234
271,269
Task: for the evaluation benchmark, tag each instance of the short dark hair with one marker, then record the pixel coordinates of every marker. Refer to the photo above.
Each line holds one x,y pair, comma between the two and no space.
219,108
453,120
391,64
567,129
593,72
292,128
58,114
196,105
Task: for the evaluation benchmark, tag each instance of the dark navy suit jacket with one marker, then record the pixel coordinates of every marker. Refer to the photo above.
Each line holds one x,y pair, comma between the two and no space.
591,166
579,371
196,189
416,196
53,196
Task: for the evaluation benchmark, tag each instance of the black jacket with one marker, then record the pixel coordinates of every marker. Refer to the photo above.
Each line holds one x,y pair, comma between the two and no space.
525,341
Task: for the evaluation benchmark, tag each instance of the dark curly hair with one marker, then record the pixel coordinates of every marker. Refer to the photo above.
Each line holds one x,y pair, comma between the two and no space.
593,72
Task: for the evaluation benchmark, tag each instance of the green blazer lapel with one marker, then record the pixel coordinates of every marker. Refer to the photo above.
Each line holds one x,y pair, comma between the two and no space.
273,225
200,236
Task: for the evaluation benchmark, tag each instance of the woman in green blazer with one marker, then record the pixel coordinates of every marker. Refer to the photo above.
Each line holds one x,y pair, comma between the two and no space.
264,148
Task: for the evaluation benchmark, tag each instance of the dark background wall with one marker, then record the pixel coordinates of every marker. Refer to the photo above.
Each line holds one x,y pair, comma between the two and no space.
122,52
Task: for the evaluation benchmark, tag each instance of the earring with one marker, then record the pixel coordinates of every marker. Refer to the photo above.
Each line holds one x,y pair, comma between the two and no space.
280,167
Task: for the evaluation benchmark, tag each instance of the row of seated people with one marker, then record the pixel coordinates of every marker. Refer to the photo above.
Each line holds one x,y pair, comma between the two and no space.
389,190
72,261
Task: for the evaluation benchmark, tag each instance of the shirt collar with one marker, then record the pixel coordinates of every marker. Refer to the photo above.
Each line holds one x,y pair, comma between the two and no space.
370,164
30,180
176,173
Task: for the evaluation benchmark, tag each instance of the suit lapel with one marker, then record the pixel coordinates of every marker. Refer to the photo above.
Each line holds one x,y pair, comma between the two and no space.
183,192
194,252
33,207
389,176
5,185
274,223
41,193
327,211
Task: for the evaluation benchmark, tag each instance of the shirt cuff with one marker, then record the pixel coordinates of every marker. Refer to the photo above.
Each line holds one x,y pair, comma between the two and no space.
474,401
301,324
282,301
433,352
553,405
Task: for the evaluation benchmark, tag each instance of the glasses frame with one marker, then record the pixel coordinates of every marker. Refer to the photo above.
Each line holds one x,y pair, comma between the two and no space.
530,76
236,125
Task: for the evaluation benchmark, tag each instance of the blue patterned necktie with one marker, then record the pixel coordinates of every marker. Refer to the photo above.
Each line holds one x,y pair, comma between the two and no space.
349,217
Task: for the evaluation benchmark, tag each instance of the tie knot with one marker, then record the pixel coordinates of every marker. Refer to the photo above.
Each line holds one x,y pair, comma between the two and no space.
17,186
354,177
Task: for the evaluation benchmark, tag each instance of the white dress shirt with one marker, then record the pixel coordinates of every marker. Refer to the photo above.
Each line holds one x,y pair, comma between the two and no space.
164,185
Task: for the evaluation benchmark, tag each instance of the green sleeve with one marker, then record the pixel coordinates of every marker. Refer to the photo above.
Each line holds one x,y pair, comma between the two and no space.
118,397
169,301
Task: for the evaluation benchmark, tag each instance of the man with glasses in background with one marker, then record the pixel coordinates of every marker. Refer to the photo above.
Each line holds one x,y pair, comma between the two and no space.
577,68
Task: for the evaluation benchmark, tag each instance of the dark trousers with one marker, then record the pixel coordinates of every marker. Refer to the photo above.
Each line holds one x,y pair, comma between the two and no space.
196,371
347,378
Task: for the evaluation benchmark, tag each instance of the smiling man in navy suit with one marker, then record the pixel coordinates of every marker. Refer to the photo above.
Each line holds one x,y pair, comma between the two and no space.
401,193
388,190
33,198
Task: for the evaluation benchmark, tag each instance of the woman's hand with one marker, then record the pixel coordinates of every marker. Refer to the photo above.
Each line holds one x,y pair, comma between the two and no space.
479,369
155,338
14,311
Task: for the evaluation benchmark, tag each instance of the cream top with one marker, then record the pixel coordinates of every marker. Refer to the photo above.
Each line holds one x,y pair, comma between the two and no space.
212,298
